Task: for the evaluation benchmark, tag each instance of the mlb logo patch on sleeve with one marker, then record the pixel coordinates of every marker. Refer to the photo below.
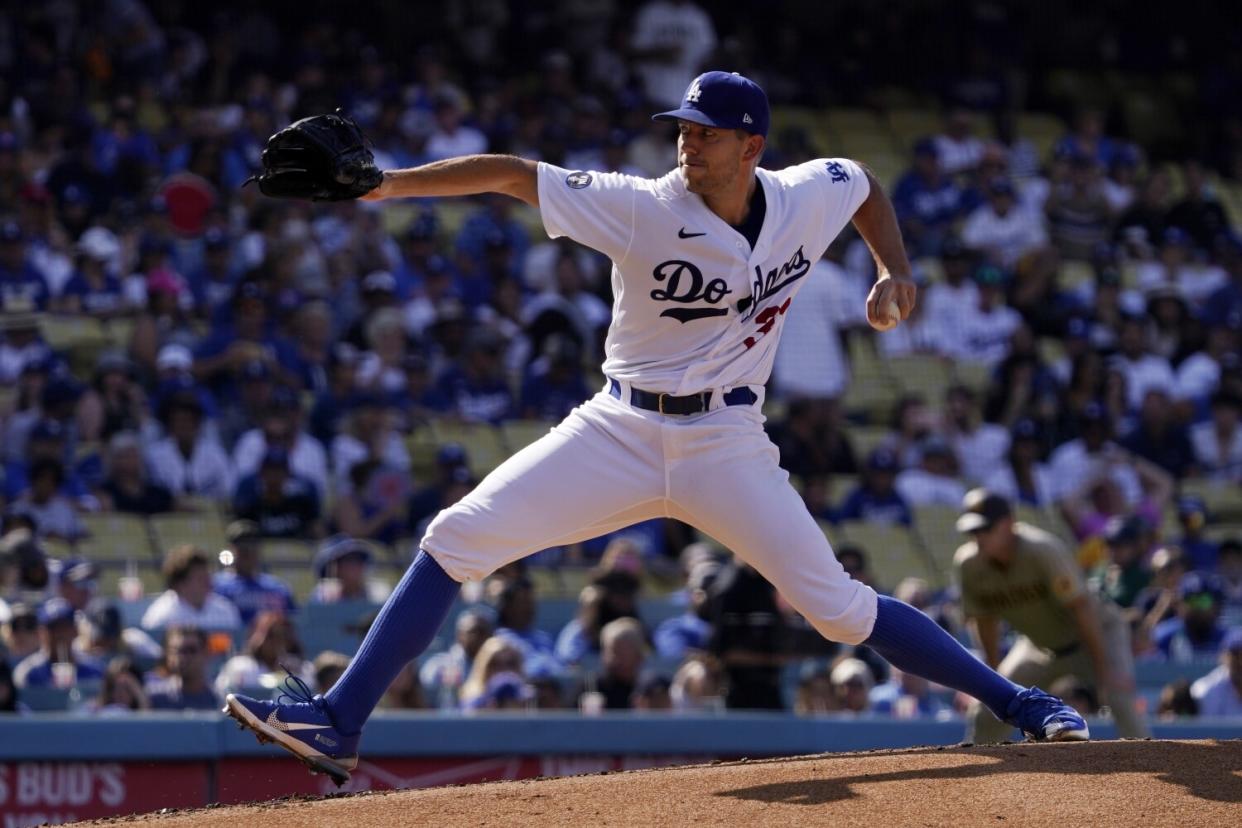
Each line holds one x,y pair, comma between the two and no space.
578,180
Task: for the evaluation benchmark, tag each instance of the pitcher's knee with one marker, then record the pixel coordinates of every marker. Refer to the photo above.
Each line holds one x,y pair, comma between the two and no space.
853,622
454,540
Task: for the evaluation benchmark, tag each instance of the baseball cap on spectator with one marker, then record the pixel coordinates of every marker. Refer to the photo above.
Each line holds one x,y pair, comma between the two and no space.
215,238
1176,237
255,370
105,617
284,399
1078,327
10,232
113,362
1232,642
99,243
952,248
423,228
982,509
1095,413
934,446
55,611
926,146
379,281
240,531
852,669
162,280
725,100
60,389
501,688
1000,186
990,276
1026,429
79,572
49,430
882,460
451,454
174,358
337,548
1191,507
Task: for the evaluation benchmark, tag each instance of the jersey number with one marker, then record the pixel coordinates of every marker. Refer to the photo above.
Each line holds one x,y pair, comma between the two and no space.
765,319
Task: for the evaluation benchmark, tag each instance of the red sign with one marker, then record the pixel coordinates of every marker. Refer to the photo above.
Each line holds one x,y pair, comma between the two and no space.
32,793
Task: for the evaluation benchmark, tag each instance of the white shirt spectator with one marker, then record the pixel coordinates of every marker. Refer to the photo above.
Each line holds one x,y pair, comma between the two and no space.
687,32
981,451
944,308
1196,282
919,487
1005,239
308,459
1216,461
983,336
206,472
1148,372
464,140
169,610
1003,482
917,335
347,450
810,360
1217,694
1071,464
957,155
1197,377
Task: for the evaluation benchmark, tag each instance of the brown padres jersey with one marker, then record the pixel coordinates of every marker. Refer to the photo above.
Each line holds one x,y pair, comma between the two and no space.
1030,593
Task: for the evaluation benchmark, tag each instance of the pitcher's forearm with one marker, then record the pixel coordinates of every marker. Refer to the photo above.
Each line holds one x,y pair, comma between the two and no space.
467,175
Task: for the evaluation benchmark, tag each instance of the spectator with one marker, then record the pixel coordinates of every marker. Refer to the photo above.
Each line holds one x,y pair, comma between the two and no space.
749,629
368,434
1157,602
934,481
1099,498
426,502
1079,213
105,637
906,696
1201,552
189,601
851,684
381,369
1229,567
181,682
815,693
115,402
19,635
1198,376
1196,633
246,585
514,599
947,302
985,329
8,690
958,149
444,673
1142,369
329,666
812,440
405,692
1124,575
281,428
980,447
876,500
1176,271
94,289
1219,693
497,656
1076,694
22,286
652,694
283,504
452,137
53,513
121,693
56,633
375,504
1159,438
343,566
671,40
1176,701
927,201
697,686
691,630
127,487
477,391
1003,233
608,597
1217,442
553,385
1199,212
76,581
189,460
1022,477
811,360
623,650
271,649
1089,453
1013,572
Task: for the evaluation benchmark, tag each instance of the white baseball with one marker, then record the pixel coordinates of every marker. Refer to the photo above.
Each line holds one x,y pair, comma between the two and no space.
889,318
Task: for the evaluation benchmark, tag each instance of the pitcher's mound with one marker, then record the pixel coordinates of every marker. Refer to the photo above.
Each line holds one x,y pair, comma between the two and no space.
1069,785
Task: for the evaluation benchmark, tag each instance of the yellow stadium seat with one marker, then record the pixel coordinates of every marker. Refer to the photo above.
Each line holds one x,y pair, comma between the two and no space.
925,374
893,553
1049,520
865,439
287,552
1042,130
973,375
937,531
871,391
1223,499
910,125
1073,274
202,529
518,434
115,536
1220,532
148,573
485,448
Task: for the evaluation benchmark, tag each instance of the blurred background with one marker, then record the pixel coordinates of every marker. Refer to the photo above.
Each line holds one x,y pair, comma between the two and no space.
225,421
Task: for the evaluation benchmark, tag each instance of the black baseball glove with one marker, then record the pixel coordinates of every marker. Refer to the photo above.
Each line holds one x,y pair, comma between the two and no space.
322,158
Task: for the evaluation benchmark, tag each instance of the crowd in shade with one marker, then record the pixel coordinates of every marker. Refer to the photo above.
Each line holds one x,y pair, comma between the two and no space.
173,343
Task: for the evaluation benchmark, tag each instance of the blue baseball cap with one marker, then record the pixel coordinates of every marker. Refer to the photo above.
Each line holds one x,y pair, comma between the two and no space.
723,99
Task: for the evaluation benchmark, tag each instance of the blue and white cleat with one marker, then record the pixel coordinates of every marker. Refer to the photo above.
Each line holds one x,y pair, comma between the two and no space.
1044,717
298,721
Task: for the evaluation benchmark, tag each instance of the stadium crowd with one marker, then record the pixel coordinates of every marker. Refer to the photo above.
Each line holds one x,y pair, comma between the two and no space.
283,363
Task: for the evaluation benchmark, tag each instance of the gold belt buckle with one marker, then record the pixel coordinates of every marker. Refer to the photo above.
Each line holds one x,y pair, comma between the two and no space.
660,402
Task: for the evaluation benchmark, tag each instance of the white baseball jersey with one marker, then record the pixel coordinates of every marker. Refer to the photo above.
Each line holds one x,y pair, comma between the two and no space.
694,306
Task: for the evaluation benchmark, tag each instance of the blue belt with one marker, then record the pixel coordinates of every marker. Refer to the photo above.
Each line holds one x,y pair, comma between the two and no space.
692,404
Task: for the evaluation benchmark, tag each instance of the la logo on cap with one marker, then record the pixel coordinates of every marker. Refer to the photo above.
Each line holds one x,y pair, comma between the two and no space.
693,93
746,119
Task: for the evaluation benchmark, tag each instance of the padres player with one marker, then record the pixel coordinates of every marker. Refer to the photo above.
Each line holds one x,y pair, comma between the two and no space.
1026,577
706,261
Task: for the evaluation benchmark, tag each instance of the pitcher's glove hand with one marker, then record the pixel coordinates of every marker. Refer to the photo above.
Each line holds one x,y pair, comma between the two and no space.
321,158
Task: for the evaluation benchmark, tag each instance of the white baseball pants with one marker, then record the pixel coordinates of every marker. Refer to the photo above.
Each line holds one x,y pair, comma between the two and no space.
609,465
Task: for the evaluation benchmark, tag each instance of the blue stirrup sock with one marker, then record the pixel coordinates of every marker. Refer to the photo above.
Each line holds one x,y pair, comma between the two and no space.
402,630
913,643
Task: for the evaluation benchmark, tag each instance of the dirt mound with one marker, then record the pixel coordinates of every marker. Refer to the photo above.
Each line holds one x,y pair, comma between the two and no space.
1141,783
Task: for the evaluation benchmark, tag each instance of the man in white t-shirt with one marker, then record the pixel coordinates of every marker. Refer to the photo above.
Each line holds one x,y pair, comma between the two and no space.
1001,230
1142,369
985,328
671,39
189,600
1219,693
707,261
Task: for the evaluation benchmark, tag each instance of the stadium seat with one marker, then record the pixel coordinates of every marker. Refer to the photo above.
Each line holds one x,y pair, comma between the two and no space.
871,392
518,434
865,439
484,446
844,484
892,551
973,375
117,537
910,125
301,579
925,374
1220,532
287,552
202,529
936,527
1042,130
1223,500
1049,520
148,573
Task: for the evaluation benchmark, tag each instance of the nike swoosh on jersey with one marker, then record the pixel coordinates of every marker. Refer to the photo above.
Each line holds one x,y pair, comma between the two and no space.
682,234
287,726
